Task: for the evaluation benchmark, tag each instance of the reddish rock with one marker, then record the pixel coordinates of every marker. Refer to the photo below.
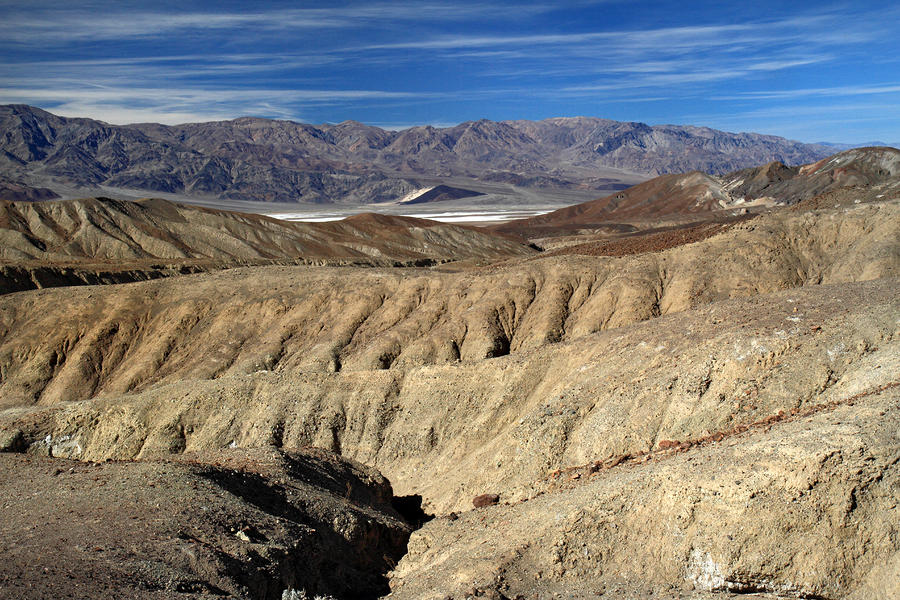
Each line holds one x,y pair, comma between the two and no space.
485,500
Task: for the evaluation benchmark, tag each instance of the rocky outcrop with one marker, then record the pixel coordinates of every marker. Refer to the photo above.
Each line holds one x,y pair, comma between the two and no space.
18,278
867,171
802,509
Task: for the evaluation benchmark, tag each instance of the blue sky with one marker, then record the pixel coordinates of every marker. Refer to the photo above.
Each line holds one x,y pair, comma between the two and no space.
813,71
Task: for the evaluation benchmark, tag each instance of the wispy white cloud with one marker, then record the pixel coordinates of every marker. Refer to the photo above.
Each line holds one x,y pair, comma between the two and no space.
671,58
847,121
687,77
782,111
140,70
666,38
180,59
844,90
617,74
55,25
199,95
122,105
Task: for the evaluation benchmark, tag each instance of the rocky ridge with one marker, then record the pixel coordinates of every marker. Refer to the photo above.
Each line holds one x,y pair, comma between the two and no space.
317,320
868,173
452,431
102,229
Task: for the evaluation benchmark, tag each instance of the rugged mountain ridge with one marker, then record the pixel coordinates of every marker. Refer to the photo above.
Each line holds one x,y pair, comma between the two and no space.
866,174
660,149
100,240
268,160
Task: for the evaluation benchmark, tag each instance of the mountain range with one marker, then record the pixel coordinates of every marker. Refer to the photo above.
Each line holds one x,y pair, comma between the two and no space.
267,160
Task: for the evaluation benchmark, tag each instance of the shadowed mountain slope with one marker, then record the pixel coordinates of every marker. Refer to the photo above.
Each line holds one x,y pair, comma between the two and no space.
13,191
438,193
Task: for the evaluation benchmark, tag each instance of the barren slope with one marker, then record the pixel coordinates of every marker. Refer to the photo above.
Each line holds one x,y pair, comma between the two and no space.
801,509
256,364
72,344
664,196
451,432
870,174
100,229
250,525
719,417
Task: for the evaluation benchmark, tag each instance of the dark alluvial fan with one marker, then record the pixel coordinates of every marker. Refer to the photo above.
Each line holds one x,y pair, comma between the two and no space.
16,191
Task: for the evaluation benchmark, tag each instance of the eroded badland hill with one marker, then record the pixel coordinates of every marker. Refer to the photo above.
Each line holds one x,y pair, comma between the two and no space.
695,404
100,240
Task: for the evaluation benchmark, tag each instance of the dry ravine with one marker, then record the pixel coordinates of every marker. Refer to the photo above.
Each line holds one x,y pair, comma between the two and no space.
715,419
